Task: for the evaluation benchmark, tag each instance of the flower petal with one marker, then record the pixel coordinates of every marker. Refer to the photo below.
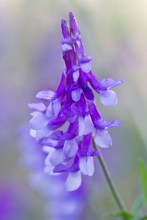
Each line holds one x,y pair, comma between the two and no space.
56,107
44,132
37,106
108,124
56,157
46,141
102,138
32,133
87,166
85,64
81,105
57,122
94,113
76,94
49,167
85,125
90,166
108,97
49,170
47,149
70,148
56,135
88,93
39,121
66,46
86,67
73,181
88,125
93,80
76,76
109,83
49,111
46,95
81,126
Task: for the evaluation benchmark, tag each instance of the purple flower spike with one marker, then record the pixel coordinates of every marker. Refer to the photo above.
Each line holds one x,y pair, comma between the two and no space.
70,119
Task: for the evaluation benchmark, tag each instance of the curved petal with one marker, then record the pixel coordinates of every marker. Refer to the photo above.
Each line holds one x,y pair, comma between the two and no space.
108,124
87,166
102,138
46,95
73,181
32,133
108,97
44,132
37,106
39,121
109,83
56,157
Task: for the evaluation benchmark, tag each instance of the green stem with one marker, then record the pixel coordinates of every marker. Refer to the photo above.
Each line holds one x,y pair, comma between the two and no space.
111,183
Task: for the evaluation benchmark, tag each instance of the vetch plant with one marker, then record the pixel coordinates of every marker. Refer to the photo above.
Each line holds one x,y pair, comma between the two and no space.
67,123
73,104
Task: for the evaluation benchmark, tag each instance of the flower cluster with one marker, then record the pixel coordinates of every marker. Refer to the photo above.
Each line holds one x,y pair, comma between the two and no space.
66,125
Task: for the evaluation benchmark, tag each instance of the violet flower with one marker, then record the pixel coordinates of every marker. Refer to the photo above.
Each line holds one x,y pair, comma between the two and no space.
70,119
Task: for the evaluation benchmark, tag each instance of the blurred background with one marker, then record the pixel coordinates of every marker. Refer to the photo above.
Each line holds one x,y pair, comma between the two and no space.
115,34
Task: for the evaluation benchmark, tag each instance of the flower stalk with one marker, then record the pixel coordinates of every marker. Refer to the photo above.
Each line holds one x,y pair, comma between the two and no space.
111,183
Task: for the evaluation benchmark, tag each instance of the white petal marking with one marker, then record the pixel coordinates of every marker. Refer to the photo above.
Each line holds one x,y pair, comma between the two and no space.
86,67
88,125
73,181
87,166
108,98
76,76
76,94
102,138
81,126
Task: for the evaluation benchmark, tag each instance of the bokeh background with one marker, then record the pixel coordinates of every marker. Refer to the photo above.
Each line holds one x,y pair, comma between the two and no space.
115,35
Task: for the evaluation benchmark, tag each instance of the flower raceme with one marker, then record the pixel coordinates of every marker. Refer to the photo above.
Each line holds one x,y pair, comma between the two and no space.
66,125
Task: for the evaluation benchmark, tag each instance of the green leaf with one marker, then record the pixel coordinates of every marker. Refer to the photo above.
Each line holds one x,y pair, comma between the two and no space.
126,215
143,178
